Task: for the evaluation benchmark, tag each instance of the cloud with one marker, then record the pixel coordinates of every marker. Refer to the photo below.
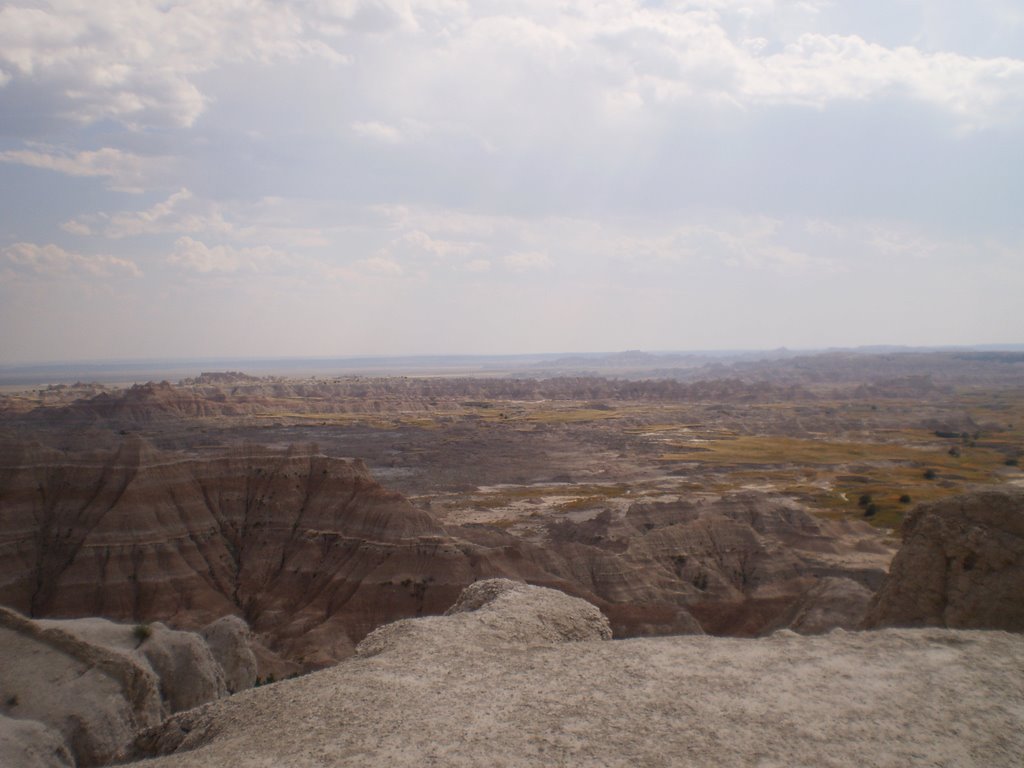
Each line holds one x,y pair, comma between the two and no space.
527,261
172,215
76,227
386,133
481,67
196,256
268,221
817,69
382,265
477,265
125,171
53,261
378,132
647,245
136,63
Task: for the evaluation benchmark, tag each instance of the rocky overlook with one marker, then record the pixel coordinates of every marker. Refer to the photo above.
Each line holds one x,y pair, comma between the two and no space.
522,677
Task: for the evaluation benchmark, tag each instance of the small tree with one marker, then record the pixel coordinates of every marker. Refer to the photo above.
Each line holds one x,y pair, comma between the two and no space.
929,474
905,499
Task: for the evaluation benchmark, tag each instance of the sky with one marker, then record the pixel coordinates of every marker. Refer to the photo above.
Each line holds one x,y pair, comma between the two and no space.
240,178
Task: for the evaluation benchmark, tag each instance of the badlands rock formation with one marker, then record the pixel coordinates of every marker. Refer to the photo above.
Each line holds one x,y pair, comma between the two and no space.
291,541
30,744
961,565
231,643
76,691
498,685
314,554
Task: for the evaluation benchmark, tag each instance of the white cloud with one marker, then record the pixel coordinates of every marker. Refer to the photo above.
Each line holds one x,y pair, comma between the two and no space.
642,245
401,131
820,68
477,265
197,256
443,248
53,261
169,216
137,62
378,132
382,265
76,227
526,261
476,66
126,171
268,221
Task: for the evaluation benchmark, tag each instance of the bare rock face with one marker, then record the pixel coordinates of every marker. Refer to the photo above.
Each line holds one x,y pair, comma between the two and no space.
287,539
186,671
495,611
831,603
30,744
94,683
94,697
531,614
314,554
493,684
230,642
961,565
189,674
732,566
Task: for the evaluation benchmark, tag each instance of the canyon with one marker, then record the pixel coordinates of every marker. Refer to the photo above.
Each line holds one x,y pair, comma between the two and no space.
751,498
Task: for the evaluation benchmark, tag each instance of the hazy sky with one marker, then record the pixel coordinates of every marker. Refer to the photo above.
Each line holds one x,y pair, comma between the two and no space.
341,177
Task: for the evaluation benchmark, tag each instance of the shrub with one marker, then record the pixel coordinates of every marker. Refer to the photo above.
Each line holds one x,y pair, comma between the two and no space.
864,500
929,474
905,499
870,510
142,633
1012,462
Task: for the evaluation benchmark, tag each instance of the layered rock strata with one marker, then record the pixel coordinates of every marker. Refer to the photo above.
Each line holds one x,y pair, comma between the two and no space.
314,554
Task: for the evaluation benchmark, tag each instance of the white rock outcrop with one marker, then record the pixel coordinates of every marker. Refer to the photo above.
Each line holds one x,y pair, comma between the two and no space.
30,744
230,641
89,685
494,683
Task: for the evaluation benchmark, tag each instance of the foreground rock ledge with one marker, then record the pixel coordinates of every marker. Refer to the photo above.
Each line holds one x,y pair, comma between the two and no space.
476,688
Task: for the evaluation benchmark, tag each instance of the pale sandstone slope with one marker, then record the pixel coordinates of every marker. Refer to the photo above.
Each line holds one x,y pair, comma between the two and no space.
495,687
86,686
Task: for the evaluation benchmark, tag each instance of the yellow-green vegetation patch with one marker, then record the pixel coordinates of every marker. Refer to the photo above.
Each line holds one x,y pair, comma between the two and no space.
757,449
571,415
421,422
588,497
833,475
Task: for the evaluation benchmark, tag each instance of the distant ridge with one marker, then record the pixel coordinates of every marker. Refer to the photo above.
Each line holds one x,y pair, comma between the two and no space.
662,363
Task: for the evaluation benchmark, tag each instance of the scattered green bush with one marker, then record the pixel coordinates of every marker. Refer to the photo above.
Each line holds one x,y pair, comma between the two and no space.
142,633
905,499
929,474
265,680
